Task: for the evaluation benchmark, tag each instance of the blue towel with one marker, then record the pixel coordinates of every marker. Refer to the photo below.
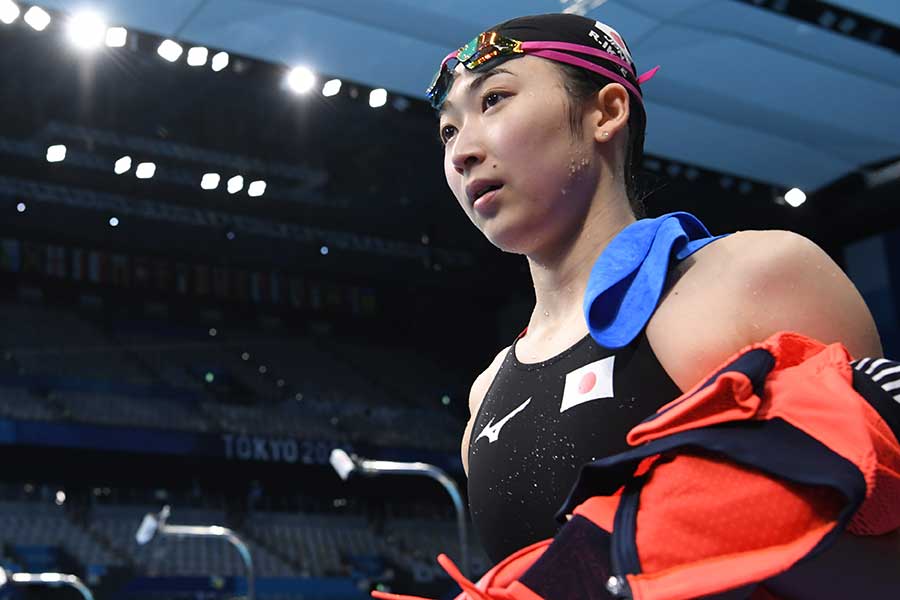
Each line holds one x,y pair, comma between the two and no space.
627,279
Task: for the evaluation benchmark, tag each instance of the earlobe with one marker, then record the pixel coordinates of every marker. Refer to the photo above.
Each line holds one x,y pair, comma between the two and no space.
616,107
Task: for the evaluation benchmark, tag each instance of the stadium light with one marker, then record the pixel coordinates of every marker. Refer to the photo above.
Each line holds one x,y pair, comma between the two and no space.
38,18
219,61
301,80
169,50
795,197
197,56
210,181
9,11
378,98
56,153
116,37
145,170
331,87
123,165
86,30
256,189
235,184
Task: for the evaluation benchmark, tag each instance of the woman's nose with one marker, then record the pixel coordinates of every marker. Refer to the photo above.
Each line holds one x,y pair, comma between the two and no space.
467,152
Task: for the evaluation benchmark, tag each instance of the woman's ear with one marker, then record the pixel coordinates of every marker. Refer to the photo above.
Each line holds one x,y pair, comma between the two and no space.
612,109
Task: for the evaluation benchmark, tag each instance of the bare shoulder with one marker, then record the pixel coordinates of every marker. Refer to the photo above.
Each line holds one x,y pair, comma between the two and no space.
747,286
483,382
798,287
476,395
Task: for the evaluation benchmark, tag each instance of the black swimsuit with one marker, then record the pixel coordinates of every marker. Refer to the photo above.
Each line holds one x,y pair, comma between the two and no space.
538,423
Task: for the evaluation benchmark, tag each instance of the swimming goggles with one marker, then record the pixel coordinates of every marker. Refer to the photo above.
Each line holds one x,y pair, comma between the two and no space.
489,45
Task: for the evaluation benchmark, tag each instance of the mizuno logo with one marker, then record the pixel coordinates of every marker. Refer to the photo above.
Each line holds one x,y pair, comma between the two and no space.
492,430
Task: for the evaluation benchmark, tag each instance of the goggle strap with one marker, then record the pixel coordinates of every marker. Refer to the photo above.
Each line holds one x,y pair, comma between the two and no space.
549,50
579,49
584,64
648,75
448,57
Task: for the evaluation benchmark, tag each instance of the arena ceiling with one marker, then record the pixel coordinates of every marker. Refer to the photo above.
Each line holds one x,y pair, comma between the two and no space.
754,97
789,92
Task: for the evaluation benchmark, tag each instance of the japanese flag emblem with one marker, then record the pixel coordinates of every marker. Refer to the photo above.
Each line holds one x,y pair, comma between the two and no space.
590,382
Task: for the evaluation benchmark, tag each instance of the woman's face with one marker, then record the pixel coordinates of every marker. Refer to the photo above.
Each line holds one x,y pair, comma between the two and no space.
508,128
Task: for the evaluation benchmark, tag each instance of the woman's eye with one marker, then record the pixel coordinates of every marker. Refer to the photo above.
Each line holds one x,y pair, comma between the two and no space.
490,99
447,132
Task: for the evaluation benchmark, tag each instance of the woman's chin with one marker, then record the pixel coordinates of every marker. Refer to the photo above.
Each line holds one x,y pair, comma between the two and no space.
509,243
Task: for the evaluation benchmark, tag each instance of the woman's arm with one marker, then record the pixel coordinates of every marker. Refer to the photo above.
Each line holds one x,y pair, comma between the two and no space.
799,288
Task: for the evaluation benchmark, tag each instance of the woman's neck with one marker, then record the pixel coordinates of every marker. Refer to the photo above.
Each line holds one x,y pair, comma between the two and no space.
560,275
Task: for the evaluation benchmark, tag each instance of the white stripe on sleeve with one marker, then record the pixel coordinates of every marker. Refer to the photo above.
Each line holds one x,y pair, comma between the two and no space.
875,364
885,372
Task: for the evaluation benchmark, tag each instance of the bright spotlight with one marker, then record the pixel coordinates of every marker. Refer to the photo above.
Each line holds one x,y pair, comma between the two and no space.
60,497
235,184
378,98
38,18
116,37
9,11
795,197
21,207
323,250
256,189
301,80
219,61
56,153
197,56
86,30
145,170
169,50
331,88
123,165
113,222
210,181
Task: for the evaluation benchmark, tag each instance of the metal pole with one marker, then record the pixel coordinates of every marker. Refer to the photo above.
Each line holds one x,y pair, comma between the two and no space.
402,468
51,579
215,531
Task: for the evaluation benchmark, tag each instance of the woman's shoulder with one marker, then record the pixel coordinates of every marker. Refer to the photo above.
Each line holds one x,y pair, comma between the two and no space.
483,382
747,286
746,259
751,249
704,315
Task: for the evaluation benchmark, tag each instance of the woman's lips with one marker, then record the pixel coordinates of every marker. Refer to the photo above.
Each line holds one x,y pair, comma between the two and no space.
484,201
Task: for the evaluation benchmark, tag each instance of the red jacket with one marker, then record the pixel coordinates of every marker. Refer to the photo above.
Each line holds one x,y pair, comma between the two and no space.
761,465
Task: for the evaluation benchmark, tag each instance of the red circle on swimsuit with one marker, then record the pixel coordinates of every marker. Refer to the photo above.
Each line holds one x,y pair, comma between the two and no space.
588,381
